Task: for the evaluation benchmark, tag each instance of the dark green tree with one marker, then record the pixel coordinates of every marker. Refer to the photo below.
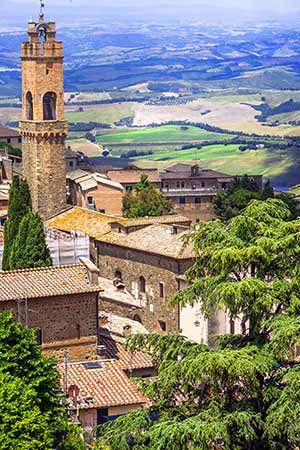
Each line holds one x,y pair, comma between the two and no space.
243,393
238,195
30,249
32,412
145,201
144,183
18,207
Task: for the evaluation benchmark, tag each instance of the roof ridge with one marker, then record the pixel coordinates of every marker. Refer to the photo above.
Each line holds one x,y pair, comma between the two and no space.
35,269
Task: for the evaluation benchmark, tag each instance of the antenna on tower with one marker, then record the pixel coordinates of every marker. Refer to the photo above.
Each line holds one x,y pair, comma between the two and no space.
42,6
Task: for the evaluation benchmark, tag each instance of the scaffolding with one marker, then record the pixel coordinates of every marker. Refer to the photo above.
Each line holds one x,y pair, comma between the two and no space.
65,248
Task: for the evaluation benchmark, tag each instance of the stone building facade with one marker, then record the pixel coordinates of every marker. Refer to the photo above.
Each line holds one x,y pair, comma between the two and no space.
43,128
192,189
10,137
95,191
150,275
61,303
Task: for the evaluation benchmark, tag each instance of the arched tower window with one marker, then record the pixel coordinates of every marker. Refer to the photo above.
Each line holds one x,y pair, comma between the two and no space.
29,106
142,284
49,106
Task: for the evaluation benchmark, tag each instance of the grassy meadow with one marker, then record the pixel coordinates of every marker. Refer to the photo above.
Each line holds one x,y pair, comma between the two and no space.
164,133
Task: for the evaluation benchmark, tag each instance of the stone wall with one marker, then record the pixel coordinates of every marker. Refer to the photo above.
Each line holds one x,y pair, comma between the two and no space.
160,274
44,165
65,321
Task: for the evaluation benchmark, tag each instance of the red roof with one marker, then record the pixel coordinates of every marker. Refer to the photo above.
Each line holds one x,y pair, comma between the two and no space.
45,282
105,382
127,360
133,175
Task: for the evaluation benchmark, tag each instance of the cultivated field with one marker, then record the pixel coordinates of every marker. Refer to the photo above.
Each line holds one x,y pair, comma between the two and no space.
165,133
106,113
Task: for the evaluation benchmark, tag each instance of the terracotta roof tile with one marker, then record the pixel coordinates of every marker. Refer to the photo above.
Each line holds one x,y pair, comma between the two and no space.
96,225
157,239
88,222
45,282
133,175
107,384
116,350
6,132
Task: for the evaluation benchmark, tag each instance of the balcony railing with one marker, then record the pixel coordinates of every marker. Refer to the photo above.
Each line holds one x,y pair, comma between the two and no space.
191,191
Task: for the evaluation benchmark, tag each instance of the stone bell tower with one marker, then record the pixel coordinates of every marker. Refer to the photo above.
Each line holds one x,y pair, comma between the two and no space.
43,127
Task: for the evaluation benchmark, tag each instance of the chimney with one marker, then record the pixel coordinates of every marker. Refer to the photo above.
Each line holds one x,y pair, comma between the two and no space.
127,330
92,270
101,351
120,286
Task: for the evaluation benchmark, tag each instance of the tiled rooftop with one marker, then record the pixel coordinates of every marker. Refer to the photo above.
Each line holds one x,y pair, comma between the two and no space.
106,383
6,132
45,282
133,175
169,219
115,348
88,222
157,239
88,180
96,225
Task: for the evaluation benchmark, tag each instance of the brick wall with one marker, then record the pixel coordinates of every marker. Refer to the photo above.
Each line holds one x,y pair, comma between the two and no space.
107,199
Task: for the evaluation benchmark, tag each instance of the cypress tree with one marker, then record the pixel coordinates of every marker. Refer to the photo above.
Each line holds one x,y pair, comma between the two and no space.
18,207
30,248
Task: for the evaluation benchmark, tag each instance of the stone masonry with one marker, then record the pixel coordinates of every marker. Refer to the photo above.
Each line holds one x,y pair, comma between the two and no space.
157,270
43,128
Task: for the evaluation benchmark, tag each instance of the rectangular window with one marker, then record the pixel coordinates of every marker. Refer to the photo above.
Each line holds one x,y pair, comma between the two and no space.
78,331
202,184
161,290
39,336
8,140
102,211
20,140
90,200
182,184
181,200
197,200
71,163
232,327
178,184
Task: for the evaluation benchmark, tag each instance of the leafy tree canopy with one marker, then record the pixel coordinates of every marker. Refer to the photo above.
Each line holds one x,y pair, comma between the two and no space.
242,393
145,201
230,203
32,413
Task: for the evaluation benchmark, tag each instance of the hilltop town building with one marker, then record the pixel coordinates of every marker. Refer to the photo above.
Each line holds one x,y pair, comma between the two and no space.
95,191
43,128
131,176
192,189
146,254
104,386
10,137
61,303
